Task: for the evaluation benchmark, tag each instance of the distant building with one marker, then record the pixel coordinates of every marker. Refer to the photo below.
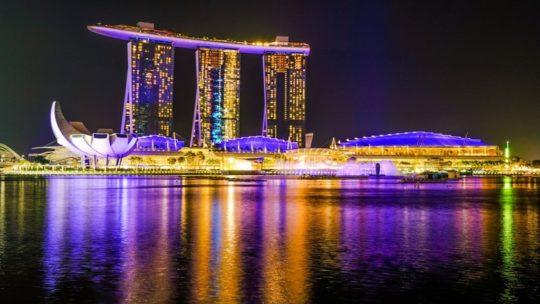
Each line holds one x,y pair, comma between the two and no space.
158,143
285,96
258,144
149,88
420,144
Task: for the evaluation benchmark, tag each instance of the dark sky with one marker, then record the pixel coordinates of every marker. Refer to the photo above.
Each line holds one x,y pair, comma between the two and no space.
457,67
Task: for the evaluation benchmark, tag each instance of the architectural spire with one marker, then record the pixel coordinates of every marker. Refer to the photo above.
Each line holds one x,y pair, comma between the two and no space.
333,145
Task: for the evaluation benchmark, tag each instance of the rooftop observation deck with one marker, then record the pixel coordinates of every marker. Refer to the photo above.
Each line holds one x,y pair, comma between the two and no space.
127,32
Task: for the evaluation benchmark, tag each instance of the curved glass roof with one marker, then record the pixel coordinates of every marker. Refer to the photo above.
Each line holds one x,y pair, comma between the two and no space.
416,138
258,142
258,139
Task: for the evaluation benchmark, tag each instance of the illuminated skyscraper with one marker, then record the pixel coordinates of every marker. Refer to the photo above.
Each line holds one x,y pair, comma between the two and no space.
148,102
149,88
285,96
217,106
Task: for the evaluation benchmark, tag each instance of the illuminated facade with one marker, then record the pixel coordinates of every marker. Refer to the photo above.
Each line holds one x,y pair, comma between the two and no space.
285,96
217,105
158,143
258,144
103,144
149,88
216,116
420,144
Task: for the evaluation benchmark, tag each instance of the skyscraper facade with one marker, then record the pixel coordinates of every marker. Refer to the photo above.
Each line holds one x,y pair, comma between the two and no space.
217,109
285,96
149,88
216,118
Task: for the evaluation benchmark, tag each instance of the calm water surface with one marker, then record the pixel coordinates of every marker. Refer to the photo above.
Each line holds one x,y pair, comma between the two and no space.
158,240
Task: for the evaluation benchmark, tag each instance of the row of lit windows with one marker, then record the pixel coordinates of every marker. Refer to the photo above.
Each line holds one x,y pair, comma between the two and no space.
219,93
292,67
272,131
154,63
418,151
231,78
296,134
294,105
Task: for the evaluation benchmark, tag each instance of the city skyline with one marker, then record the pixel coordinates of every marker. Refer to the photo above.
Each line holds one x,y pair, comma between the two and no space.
373,71
148,104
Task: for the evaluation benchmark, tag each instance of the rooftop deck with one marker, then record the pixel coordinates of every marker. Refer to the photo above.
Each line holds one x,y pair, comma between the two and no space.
127,32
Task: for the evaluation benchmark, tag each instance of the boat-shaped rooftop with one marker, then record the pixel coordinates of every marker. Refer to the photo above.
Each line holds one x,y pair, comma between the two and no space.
146,31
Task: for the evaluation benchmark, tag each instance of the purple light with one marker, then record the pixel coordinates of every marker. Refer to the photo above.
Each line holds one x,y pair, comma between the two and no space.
194,43
416,138
158,143
258,144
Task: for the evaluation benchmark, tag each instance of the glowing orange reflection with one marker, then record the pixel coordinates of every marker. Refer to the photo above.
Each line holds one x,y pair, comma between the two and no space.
229,271
202,218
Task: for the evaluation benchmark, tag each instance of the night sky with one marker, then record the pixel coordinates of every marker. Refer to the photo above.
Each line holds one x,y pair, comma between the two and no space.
376,67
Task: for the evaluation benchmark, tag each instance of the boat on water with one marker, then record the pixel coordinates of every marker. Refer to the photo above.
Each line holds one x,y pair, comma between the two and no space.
237,179
431,177
310,176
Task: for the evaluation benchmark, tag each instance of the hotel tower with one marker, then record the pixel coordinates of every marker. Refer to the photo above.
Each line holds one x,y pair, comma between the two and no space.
285,96
149,88
216,117
217,102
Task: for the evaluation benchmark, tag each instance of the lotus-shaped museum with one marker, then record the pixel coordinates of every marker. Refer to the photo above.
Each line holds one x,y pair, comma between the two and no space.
103,144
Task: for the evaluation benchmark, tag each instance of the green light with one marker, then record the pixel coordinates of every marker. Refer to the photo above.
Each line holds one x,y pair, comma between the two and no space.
508,272
507,150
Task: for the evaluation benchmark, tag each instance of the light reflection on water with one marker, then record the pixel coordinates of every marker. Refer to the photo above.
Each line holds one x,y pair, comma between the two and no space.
276,241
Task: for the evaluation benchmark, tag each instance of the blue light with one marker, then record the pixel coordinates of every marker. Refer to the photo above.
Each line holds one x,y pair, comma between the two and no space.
416,138
258,144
